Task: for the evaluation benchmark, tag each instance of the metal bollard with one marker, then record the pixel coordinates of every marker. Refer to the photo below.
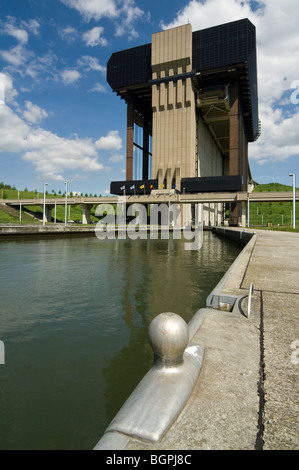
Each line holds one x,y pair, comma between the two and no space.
165,389
169,337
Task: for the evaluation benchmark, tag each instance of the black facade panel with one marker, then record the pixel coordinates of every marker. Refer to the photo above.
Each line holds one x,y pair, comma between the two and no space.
210,184
252,70
231,43
119,188
130,67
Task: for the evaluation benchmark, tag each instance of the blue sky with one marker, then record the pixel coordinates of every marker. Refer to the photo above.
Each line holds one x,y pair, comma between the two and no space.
59,119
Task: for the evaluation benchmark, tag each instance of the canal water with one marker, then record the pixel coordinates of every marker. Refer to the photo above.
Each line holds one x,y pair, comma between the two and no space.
74,316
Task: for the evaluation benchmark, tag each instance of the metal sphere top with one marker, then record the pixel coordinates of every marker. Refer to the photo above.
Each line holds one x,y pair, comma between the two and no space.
168,336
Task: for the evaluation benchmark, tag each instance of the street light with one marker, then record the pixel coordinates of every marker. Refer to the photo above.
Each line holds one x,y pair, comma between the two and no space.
44,213
66,182
294,199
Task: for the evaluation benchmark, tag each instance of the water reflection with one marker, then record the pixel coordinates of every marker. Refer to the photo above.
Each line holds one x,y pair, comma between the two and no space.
74,316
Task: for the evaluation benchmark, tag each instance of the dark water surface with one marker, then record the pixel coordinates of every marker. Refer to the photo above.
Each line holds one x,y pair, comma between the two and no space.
74,316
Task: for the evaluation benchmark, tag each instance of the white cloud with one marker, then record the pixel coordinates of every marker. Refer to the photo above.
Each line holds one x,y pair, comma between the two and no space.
124,13
13,131
93,37
34,113
70,76
210,13
32,26
98,88
7,91
278,57
91,63
130,13
16,56
279,138
93,9
50,154
44,65
19,34
111,142
69,34
116,158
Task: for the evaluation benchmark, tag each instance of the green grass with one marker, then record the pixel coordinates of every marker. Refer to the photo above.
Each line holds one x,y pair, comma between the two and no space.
273,215
272,187
14,194
75,212
9,215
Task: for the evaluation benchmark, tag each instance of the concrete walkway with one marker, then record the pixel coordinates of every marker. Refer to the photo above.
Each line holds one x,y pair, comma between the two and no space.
247,396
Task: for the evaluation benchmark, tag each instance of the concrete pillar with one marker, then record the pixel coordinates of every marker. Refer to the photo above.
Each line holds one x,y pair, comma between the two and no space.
48,209
187,215
244,214
86,213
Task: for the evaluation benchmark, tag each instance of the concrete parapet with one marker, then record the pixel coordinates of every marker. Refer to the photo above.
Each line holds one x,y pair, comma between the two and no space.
11,231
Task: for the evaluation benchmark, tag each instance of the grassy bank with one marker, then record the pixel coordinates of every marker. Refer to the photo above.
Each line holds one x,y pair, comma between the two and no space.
34,214
273,215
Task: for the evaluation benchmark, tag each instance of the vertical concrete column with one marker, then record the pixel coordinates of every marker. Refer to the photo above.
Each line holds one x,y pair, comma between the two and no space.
130,140
86,213
187,215
48,217
244,214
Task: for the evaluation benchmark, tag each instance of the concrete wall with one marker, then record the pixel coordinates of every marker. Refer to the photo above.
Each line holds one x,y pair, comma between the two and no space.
210,161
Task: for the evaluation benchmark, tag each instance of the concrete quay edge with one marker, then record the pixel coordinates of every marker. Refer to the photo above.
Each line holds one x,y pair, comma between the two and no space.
12,230
246,397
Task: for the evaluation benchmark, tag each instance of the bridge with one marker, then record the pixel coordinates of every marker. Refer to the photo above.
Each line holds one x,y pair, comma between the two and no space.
156,197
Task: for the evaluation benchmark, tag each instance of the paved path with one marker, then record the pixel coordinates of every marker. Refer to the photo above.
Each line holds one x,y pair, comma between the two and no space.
247,393
274,268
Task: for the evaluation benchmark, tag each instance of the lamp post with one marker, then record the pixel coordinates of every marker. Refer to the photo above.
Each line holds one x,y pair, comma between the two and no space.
294,199
65,202
44,212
